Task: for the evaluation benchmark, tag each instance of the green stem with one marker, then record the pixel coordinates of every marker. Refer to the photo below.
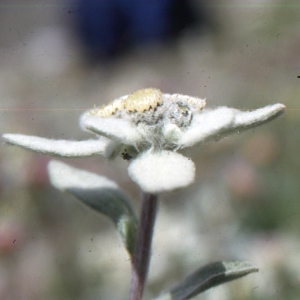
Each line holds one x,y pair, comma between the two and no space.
141,258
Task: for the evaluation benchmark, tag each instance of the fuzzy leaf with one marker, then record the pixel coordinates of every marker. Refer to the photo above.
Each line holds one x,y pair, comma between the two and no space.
207,277
157,172
99,193
119,130
62,148
222,121
249,119
206,124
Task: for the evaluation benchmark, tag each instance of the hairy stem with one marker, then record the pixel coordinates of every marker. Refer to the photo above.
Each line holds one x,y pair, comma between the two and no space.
141,258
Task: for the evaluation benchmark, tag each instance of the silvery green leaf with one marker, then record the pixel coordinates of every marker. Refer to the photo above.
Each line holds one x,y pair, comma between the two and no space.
162,171
99,193
62,148
207,277
119,130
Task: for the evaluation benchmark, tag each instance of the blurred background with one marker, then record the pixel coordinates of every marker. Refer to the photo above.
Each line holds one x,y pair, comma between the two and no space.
59,58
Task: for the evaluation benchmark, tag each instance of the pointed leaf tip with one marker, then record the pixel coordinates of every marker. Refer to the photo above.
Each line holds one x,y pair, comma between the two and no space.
207,277
249,119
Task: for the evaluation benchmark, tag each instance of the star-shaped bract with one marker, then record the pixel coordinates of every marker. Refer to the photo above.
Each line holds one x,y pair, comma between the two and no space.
154,127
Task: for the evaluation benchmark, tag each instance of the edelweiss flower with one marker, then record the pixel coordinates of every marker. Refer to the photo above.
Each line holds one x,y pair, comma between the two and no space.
149,129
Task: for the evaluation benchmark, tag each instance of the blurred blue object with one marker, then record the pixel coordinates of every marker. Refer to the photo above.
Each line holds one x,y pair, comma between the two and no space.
109,27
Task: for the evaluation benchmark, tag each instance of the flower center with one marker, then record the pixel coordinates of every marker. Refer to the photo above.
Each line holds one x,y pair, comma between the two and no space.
151,107
159,117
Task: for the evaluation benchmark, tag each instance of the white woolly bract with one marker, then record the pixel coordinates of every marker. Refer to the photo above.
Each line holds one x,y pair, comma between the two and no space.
157,172
63,177
65,148
119,130
258,116
207,124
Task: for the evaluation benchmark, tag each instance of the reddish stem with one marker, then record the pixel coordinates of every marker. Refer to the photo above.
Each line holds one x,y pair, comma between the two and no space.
141,258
